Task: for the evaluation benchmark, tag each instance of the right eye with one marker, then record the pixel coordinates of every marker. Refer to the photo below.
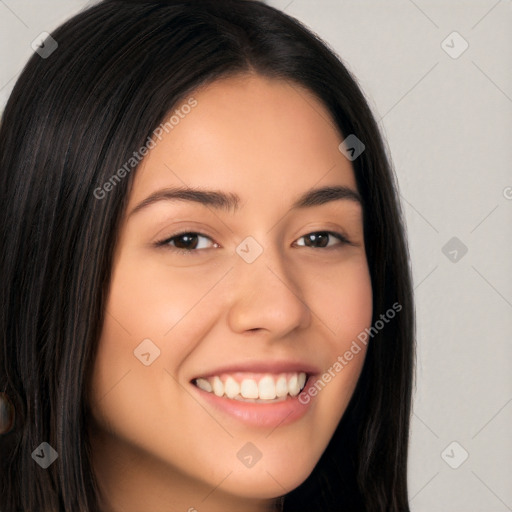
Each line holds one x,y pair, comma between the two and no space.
186,242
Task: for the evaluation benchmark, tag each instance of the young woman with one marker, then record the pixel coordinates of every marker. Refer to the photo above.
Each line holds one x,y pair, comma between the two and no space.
206,300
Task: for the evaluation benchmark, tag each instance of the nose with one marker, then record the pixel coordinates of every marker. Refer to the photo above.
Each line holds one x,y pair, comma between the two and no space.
266,296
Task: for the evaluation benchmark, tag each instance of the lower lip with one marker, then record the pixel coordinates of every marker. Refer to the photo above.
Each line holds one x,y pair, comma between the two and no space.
259,414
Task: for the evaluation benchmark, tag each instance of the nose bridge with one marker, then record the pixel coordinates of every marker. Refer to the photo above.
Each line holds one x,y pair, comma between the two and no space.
266,295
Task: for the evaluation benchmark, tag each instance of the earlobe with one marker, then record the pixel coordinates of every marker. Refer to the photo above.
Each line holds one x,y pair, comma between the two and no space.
7,414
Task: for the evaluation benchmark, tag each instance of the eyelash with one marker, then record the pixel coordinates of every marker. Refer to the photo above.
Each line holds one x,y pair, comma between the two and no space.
165,243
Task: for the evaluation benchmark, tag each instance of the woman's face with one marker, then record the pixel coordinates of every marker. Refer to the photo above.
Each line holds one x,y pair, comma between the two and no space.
268,285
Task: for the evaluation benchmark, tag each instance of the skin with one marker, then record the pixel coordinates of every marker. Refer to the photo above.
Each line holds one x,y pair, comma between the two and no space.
155,445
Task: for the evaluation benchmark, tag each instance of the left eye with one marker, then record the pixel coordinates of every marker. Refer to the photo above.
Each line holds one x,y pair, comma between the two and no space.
320,239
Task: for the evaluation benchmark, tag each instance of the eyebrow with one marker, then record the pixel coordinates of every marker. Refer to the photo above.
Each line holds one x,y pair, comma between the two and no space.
230,201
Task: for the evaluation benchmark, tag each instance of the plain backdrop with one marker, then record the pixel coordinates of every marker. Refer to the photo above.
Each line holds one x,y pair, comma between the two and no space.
444,104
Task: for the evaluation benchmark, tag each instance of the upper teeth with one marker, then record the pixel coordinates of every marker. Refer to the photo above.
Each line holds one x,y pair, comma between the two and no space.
268,387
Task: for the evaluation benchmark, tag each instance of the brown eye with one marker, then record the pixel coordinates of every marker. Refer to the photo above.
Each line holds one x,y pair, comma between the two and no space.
188,241
321,239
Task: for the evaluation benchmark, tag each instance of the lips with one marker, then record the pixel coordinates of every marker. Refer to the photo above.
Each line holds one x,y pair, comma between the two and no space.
258,394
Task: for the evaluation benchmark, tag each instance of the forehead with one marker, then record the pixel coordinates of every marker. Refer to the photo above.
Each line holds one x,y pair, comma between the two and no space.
261,137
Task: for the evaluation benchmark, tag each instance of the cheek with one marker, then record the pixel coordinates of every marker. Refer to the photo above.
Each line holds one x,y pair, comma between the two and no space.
147,298
342,300
146,302
152,301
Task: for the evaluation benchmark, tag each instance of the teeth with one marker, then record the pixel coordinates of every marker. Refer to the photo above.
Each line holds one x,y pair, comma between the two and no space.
302,380
281,386
293,385
231,387
218,387
204,385
249,388
269,387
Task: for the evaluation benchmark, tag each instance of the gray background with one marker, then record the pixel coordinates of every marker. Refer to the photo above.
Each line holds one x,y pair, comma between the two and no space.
448,123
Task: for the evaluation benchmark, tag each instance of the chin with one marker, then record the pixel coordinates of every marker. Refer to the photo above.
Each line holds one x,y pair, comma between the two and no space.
270,479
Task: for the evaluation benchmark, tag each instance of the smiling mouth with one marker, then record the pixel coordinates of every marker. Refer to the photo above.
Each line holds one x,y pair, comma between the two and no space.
263,388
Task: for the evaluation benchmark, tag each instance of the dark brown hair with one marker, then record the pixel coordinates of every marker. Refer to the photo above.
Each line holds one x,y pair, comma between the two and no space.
71,121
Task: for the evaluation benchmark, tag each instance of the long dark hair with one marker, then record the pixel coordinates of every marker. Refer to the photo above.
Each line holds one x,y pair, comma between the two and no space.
76,117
